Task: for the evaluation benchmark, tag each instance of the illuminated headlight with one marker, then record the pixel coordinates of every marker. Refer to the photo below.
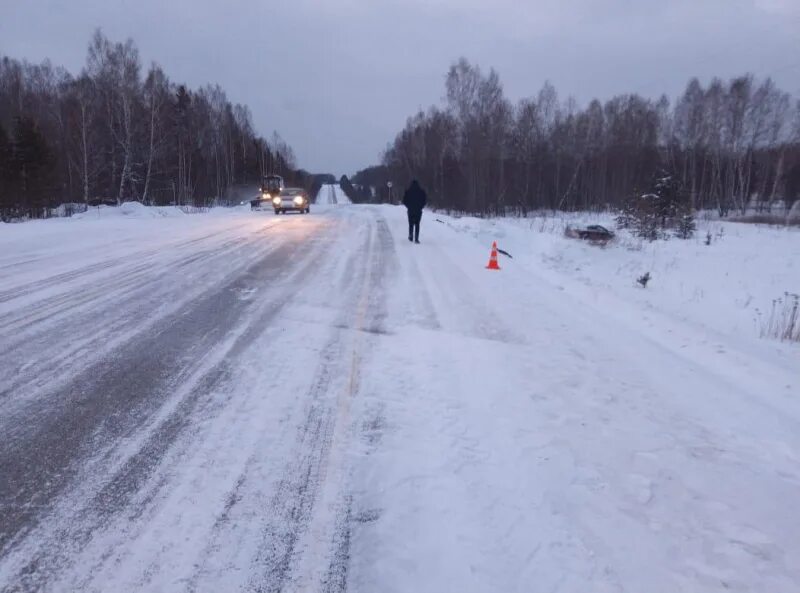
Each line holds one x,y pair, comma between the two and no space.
276,200
299,200
266,196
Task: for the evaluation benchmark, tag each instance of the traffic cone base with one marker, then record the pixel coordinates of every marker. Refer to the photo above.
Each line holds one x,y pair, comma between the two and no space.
493,265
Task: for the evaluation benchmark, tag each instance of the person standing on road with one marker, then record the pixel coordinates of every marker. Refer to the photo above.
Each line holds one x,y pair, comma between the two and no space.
414,200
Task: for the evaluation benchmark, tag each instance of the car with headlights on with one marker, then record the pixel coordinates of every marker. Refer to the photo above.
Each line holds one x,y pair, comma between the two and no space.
291,199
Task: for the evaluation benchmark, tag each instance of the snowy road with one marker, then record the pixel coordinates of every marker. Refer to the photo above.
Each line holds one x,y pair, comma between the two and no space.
242,402
331,194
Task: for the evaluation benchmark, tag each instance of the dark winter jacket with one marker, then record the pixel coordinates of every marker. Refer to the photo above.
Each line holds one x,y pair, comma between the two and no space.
415,198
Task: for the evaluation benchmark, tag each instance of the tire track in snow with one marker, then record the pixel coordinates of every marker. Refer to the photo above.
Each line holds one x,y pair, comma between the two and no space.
47,307
324,562
246,487
149,508
292,504
464,309
289,507
291,515
58,449
30,288
305,474
109,312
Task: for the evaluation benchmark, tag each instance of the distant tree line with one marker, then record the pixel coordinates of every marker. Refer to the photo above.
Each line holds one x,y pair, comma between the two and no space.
729,144
115,132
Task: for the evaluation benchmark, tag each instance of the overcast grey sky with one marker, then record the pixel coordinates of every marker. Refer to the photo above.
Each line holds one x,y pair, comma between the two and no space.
337,78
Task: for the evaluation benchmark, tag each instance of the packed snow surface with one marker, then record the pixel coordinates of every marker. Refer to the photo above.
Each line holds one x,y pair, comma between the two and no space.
332,194
234,401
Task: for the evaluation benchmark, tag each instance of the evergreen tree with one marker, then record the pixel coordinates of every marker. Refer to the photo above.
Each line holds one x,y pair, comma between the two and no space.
675,208
627,214
666,207
669,199
647,217
686,226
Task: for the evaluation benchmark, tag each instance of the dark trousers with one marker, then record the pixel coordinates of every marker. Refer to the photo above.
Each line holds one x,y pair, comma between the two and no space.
414,219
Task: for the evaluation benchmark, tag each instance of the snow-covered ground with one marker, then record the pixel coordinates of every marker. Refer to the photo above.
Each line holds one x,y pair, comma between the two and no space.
553,427
332,194
233,401
725,288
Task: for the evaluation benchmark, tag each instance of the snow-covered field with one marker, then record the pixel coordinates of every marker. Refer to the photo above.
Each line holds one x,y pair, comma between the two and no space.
727,287
235,401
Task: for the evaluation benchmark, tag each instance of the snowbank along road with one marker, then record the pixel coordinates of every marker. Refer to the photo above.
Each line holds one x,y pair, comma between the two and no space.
241,402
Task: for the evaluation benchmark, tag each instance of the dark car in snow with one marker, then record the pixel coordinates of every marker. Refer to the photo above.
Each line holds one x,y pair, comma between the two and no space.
593,233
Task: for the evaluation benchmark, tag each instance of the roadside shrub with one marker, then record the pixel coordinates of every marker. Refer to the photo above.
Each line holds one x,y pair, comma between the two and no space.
783,322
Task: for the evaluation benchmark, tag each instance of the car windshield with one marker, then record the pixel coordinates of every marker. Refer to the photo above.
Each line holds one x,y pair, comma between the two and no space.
290,193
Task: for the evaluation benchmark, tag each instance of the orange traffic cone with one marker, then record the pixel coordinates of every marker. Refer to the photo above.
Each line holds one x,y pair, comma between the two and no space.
492,265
